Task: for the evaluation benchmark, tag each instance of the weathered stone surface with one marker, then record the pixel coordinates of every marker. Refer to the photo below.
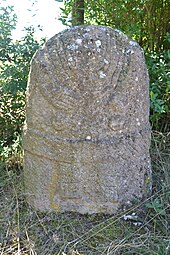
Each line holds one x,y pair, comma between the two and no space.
87,133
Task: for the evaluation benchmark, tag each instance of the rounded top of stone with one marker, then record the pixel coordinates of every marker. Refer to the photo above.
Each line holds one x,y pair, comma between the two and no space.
86,30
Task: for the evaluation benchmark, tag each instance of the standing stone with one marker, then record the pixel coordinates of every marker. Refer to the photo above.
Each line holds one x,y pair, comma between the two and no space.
87,133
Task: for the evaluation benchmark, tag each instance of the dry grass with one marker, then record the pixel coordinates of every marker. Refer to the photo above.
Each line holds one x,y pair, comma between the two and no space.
23,231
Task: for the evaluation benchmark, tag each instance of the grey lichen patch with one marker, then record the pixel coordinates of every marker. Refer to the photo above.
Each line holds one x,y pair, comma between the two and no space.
133,43
102,75
98,45
87,136
72,47
106,61
79,41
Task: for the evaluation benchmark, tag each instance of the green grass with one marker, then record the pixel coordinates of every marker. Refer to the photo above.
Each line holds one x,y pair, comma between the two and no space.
23,231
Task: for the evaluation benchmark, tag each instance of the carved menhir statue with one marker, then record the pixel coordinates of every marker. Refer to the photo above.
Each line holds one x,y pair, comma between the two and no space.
87,133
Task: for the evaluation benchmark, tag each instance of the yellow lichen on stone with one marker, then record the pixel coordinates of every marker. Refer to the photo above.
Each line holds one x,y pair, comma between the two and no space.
55,206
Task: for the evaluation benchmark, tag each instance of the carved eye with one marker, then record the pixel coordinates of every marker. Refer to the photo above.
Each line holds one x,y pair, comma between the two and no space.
117,122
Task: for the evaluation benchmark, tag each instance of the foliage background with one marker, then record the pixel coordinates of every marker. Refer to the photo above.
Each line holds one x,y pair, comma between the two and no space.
15,60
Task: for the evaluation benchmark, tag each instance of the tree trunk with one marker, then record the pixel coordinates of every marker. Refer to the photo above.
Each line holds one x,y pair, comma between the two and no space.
78,12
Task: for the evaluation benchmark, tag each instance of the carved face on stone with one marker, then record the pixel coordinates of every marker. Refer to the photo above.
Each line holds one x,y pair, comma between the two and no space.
87,136
92,82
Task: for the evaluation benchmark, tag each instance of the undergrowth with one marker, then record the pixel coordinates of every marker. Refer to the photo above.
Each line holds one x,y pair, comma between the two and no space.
143,229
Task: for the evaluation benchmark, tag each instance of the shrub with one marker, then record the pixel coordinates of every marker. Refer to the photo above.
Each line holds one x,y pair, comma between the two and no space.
159,72
15,60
